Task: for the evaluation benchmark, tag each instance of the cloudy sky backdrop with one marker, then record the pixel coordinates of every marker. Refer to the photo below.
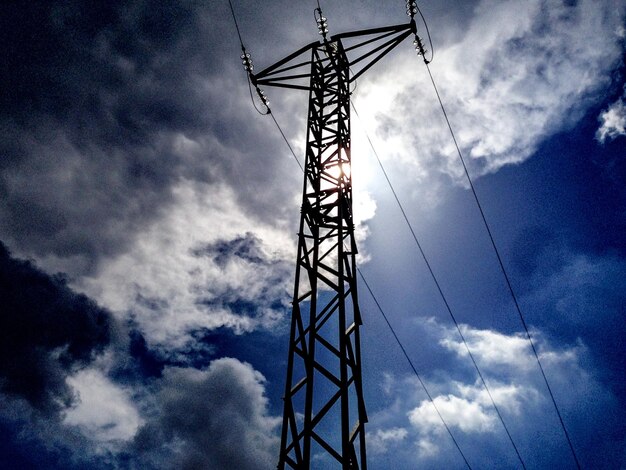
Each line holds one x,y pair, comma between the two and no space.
148,218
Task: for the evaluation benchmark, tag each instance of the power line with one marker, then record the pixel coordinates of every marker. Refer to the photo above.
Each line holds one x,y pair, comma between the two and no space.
430,398
248,66
504,272
441,294
286,141
232,11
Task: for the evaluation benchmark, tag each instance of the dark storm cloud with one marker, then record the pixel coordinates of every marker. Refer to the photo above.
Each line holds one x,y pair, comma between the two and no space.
32,439
247,248
46,332
97,102
212,419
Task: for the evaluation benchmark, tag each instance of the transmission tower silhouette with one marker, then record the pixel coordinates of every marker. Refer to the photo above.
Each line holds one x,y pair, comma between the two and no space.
324,410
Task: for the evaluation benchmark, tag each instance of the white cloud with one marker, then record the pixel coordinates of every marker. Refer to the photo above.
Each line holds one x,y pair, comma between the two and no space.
427,448
456,411
613,121
379,441
508,366
490,347
581,284
469,408
517,75
497,351
170,287
105,411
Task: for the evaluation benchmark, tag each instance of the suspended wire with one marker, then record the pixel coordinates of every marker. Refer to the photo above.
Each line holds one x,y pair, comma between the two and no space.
265,102
430,398
268,111
287,142
232,11
503,270
441,294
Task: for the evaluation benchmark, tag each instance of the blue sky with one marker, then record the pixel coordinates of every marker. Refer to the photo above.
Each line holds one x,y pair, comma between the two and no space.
148,221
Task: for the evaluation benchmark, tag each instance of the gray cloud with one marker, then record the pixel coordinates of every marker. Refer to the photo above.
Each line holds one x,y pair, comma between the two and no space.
211,419
105,109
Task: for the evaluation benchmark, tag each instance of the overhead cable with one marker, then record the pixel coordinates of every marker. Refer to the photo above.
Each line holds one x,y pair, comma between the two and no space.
249,67
503,270
287,142
442,295
430,398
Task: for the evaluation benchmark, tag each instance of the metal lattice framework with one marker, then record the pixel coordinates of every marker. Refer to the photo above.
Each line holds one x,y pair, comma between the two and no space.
324,411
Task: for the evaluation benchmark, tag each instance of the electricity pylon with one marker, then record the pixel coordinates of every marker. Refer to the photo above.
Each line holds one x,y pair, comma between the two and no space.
324,411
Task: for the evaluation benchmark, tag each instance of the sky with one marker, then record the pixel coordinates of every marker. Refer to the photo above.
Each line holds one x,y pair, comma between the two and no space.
148,220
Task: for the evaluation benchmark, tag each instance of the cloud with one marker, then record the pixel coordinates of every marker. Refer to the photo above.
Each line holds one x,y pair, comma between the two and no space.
103,411
612,122
381,439
470,409
516,75
51,338
581,299
47,332
33,439
490,347
130,102
213,419
458,412
198,267
518,391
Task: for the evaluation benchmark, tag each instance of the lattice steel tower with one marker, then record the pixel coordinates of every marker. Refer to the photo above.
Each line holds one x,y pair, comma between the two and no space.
324,411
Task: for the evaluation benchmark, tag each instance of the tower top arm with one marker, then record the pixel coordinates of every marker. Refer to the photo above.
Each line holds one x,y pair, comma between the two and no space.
363,48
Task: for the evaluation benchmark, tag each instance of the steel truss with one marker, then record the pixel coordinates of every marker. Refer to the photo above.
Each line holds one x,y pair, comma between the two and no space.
324,411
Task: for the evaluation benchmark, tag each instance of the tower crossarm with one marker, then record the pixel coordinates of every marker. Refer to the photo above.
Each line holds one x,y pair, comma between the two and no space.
362,49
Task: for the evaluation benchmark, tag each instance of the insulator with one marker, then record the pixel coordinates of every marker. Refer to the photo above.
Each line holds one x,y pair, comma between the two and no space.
411,8
247,62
